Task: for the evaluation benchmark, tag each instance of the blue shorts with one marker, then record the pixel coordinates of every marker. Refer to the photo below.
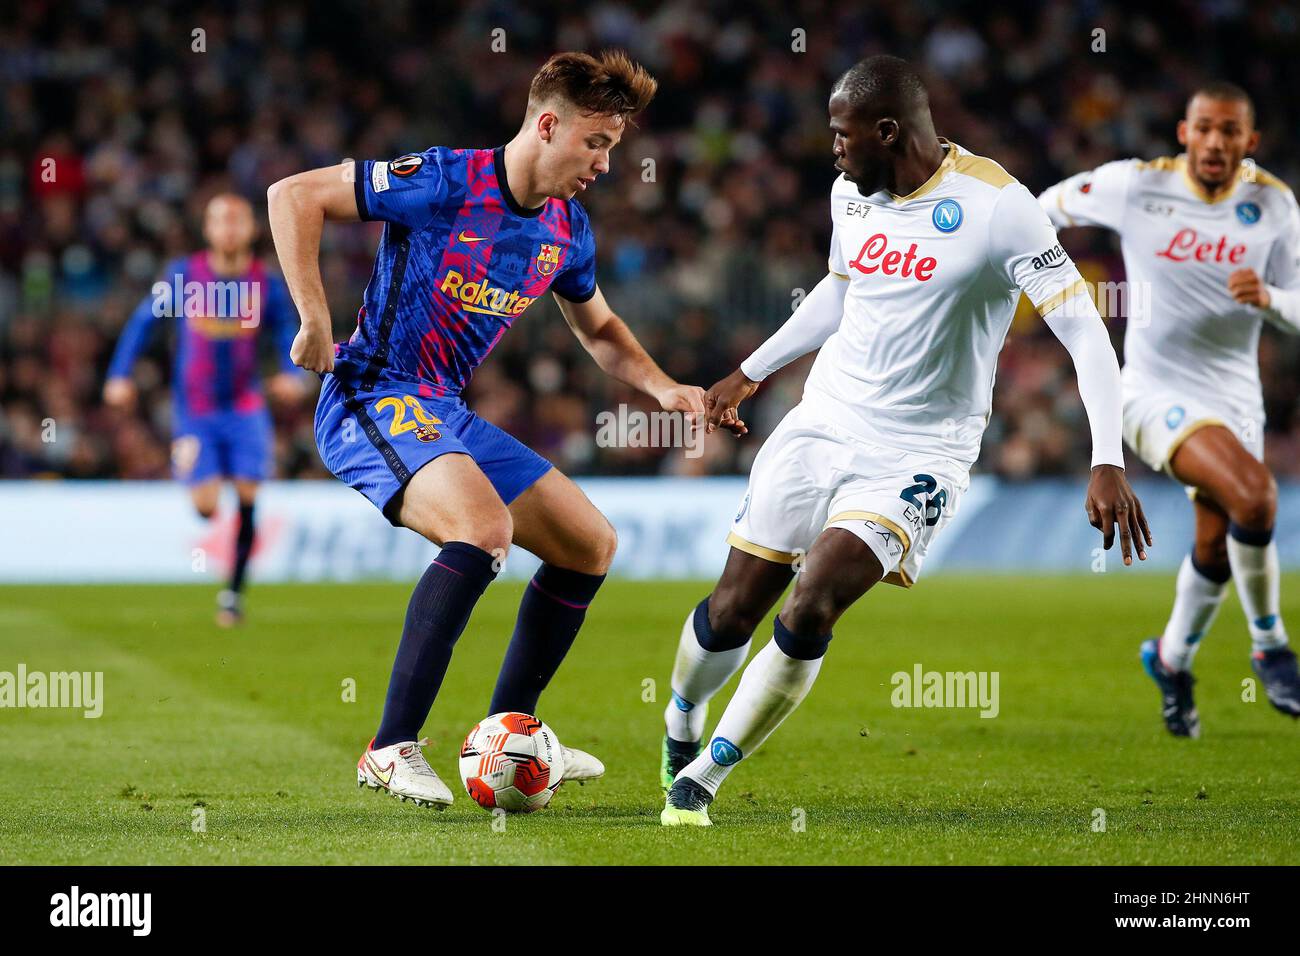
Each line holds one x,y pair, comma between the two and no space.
222,445
376,440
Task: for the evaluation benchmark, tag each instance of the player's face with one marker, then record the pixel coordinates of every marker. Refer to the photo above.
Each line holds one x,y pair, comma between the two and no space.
1218,135
228,225
578,151
859,153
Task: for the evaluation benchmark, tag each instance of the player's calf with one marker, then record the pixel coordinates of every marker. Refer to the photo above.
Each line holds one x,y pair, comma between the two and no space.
714,643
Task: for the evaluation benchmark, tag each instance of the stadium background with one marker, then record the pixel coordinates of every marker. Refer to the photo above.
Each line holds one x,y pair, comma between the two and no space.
703,261
704,256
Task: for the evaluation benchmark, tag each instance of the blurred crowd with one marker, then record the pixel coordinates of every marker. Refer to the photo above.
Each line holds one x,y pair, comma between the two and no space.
713,220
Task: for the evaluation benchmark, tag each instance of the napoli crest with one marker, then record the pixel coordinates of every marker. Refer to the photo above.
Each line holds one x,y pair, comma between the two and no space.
1248,213
947,215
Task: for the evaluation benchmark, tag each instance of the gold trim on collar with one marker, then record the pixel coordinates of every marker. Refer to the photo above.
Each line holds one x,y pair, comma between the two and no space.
1199,191
949,159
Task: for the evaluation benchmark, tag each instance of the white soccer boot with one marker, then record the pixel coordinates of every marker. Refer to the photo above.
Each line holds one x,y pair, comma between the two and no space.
580,766
402,770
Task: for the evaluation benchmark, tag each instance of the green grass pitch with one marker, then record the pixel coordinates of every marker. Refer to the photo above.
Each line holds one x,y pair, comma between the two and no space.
252,727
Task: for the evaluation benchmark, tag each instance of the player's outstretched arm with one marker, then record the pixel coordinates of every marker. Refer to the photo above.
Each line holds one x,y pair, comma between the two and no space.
813,322
616,350
1110,503
1097,197
1024,248
298,207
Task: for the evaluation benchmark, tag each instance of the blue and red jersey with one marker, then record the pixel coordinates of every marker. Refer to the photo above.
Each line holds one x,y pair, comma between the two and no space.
219,320
459,262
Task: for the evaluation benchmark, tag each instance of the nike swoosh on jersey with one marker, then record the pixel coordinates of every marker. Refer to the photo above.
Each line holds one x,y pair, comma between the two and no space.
464,238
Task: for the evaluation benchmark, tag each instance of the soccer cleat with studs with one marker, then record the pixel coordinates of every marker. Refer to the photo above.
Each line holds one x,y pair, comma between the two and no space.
687,805
1177,704
580,767
401,771
674,757
1277,671
230,609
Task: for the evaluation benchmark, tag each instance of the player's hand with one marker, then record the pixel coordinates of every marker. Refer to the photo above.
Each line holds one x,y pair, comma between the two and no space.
1111,504
683,398
119,393
285,388
722,402
313,347
1249,289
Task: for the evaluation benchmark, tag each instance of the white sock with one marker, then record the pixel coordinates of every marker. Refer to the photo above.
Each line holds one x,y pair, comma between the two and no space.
1196,602
770,689
1255,568
698,674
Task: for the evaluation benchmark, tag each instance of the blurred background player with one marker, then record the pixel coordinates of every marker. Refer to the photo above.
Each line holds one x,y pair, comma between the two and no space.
1210,245
931,248
472,238
222,300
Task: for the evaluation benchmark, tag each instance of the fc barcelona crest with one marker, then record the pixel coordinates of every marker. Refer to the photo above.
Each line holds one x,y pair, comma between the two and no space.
548,259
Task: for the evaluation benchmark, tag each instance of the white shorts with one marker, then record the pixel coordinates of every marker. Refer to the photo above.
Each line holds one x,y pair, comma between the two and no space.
1157,422
810,476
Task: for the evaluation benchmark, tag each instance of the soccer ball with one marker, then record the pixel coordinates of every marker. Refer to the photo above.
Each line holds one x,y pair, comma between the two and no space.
511,761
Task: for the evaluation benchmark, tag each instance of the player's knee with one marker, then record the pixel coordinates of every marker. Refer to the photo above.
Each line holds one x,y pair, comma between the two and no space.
1256,507
811,612
1211,555
493,533
603,545
491,530
732,620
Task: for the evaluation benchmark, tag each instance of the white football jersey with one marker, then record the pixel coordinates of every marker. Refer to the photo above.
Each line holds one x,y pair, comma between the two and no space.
934,280
1185,332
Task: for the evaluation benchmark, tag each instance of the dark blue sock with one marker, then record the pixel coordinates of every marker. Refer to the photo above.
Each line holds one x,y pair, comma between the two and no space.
799,646
1257,537
439,609
711,640
1219,575
550,614
243,547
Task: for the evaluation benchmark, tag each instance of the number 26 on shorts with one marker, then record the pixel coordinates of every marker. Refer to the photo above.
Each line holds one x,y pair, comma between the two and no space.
933,506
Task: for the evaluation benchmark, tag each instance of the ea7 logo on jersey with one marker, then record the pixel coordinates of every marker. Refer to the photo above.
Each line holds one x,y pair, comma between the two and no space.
1051,259
406,165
